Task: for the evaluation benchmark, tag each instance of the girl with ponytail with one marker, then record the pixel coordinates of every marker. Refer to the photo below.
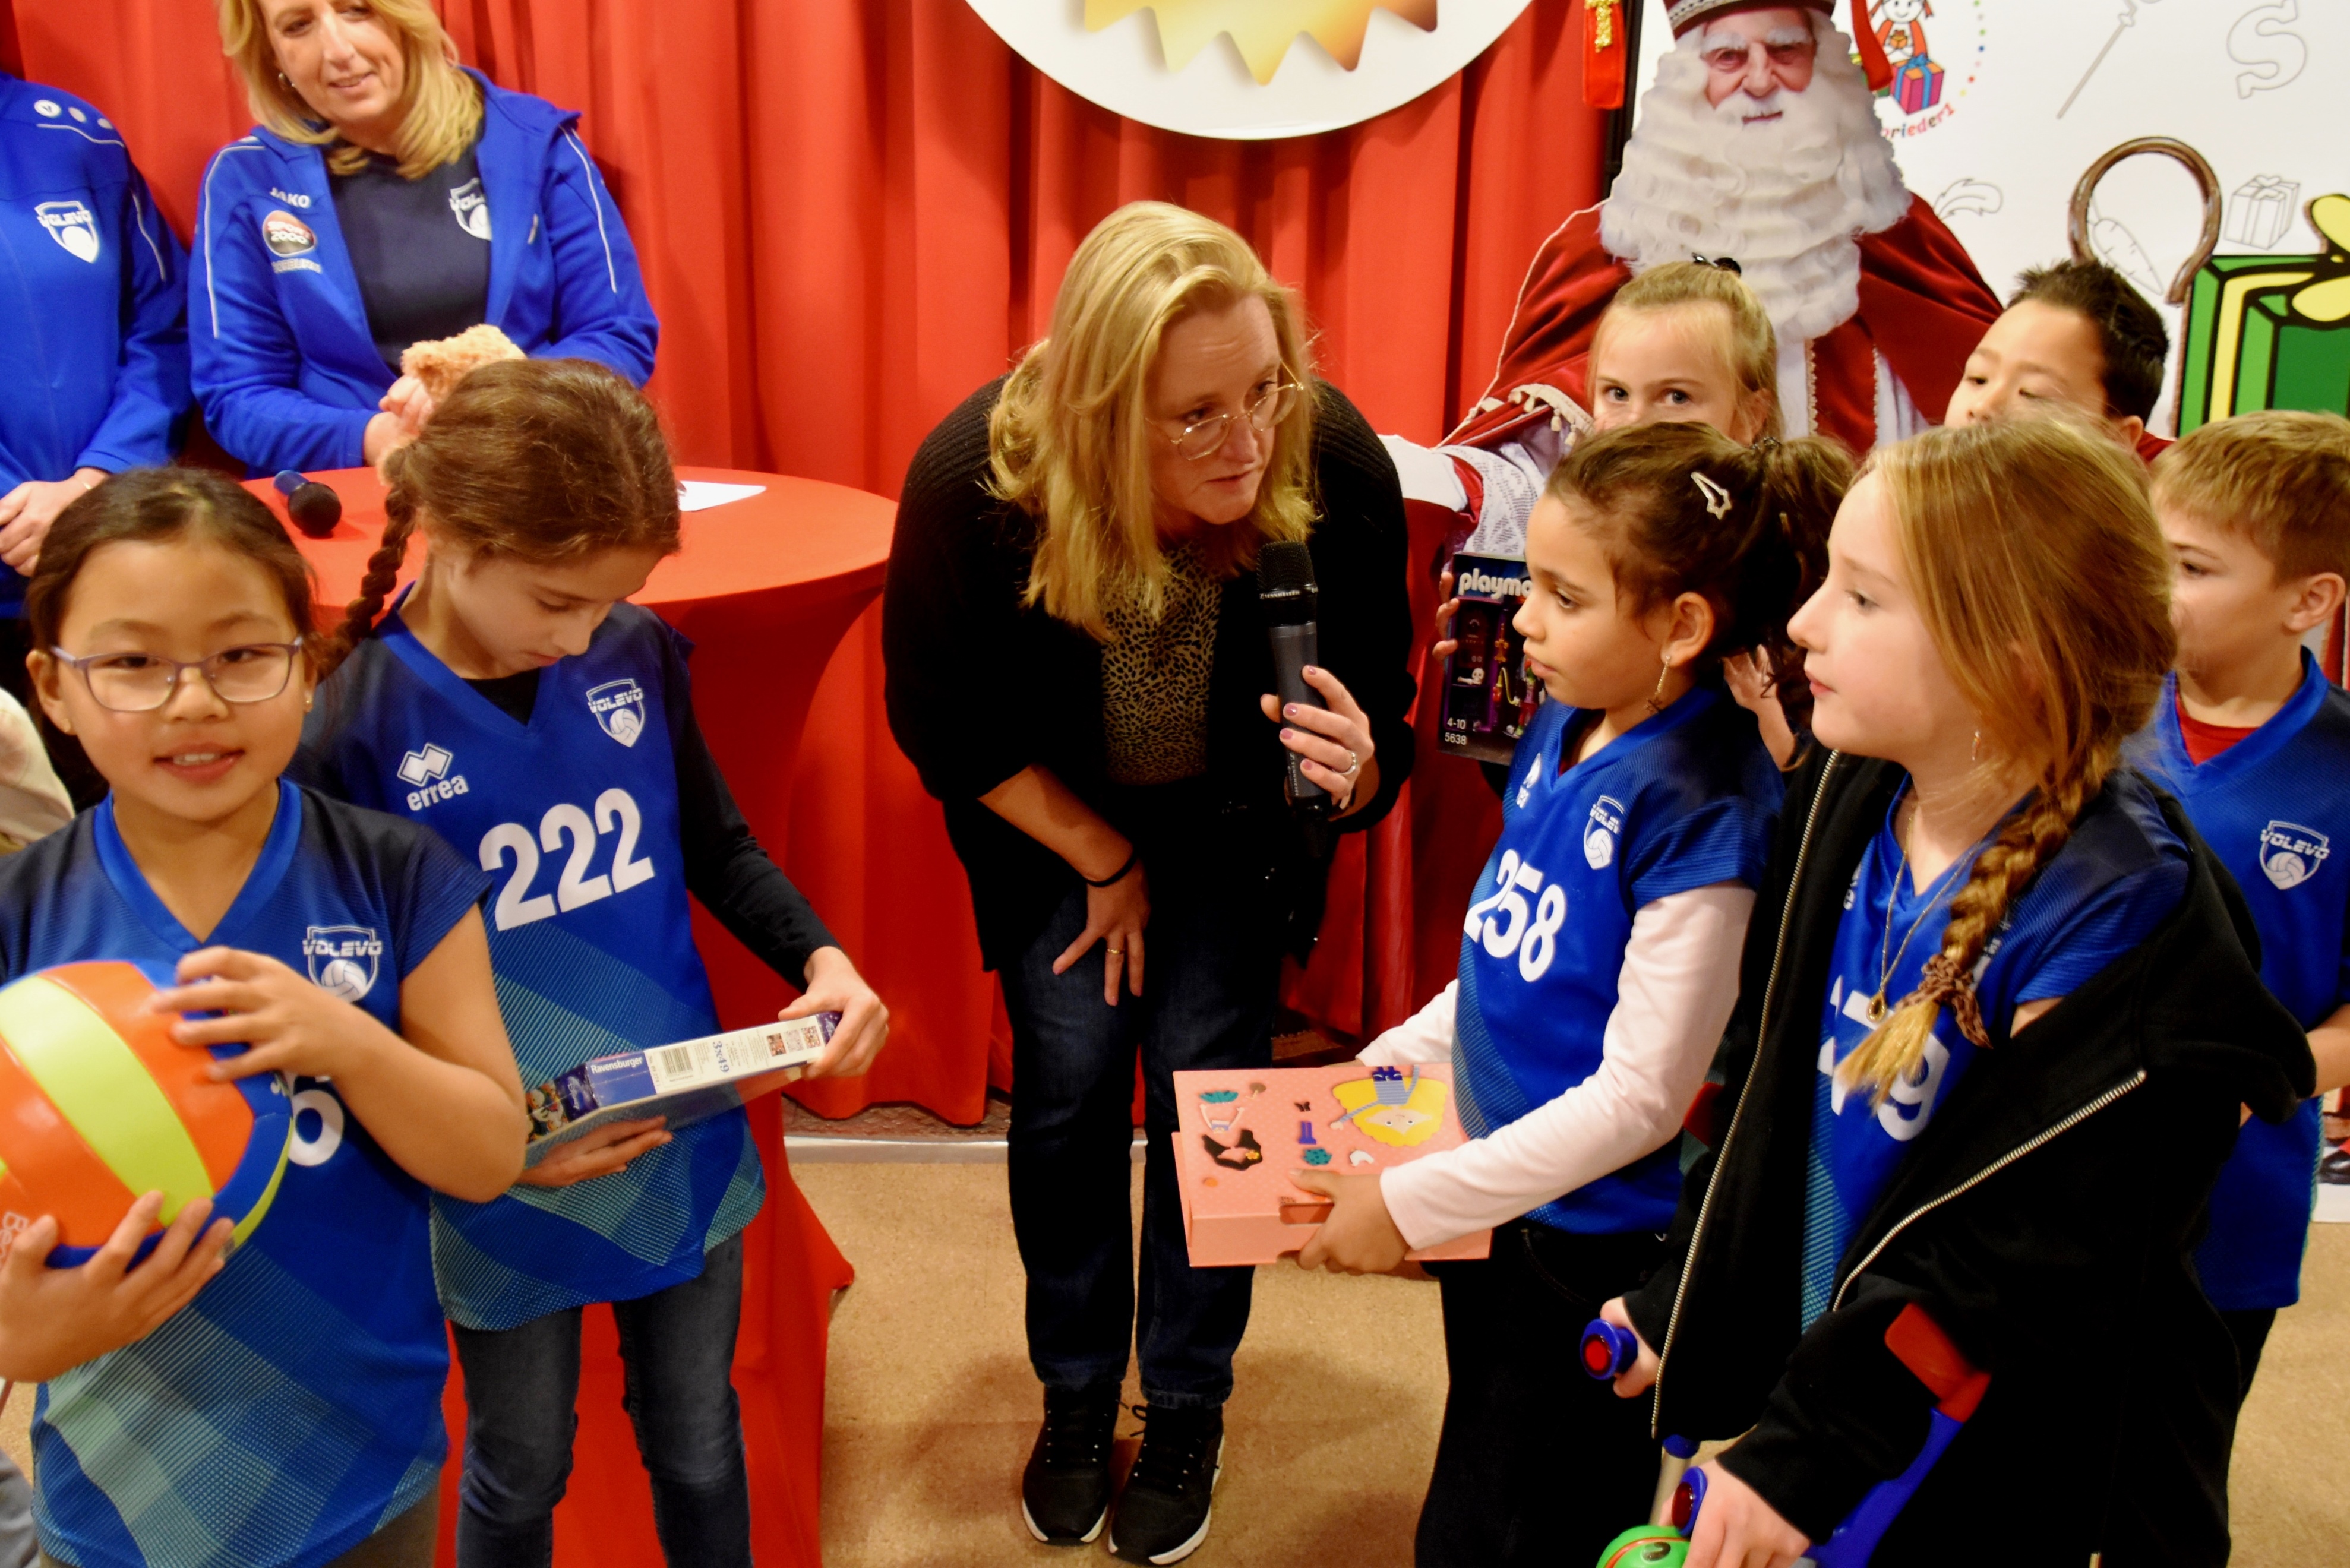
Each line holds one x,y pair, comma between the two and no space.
1598,966
513,702
1996,1017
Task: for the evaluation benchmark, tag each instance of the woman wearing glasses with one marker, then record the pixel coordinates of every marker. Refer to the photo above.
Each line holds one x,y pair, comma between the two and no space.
1077,665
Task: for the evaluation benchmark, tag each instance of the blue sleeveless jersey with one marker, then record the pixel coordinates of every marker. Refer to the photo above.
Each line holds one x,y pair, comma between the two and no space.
2118,877
575,817
2275,809
294,1407
1684,800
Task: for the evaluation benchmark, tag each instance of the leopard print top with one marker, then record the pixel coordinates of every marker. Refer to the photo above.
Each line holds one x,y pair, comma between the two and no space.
1155,677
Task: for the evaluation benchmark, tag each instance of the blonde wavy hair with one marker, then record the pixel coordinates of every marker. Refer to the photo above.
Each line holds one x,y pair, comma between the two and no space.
2044,582
442,107
1752,350
1069,439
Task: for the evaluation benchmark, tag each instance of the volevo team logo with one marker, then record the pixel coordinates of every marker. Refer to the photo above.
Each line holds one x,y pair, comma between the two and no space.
72,227
2290,854
343,959
1599,834
619,710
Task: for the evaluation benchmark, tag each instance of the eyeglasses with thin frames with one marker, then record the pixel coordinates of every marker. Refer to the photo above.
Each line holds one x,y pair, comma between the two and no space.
1203,439
142,682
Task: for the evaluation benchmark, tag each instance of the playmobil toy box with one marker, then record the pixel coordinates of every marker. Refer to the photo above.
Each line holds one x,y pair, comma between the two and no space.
690,1081
1240,1136
1489,697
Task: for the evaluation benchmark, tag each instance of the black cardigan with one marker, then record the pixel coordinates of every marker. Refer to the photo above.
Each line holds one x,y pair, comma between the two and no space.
979,687
2044,1220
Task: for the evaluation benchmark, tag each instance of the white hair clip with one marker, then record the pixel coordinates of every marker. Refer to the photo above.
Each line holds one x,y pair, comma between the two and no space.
1716,499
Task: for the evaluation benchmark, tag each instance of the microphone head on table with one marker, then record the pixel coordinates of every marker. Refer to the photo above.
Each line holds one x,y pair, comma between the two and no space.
1285,582
315,507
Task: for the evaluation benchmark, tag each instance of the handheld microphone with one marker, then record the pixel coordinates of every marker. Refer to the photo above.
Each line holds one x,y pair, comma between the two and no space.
1284,585
315,507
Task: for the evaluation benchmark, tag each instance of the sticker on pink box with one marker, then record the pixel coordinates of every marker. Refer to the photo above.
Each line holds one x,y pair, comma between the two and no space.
1241,1136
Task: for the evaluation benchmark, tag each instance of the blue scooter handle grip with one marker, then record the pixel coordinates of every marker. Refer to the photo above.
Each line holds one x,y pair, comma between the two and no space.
1687,1500
1608,1351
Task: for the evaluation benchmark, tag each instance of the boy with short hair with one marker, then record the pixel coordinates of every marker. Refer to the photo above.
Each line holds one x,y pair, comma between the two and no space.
2255,743
2078,335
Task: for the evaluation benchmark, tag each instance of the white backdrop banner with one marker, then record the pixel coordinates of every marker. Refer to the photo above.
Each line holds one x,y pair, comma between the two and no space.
1249,70
2002,106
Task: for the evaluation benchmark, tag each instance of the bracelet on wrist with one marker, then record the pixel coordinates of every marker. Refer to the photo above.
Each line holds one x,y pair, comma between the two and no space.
1133,859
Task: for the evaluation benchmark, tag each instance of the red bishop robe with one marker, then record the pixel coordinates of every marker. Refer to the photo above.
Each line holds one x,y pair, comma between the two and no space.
1923,307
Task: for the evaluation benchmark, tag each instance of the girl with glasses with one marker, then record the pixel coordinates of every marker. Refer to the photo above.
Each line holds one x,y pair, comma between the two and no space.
1077,665
189,1407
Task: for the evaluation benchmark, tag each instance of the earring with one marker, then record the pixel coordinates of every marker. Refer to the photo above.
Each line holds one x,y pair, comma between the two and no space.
1974,753
1657,698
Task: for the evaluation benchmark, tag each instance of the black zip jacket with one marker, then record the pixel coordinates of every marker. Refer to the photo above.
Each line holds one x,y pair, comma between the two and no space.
2044,1220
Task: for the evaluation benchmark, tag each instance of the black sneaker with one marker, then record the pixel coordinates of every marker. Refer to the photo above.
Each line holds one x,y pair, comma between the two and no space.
1065,1490
1162,1514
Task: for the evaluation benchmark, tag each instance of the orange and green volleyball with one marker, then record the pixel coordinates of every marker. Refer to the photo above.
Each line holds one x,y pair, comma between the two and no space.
99,1105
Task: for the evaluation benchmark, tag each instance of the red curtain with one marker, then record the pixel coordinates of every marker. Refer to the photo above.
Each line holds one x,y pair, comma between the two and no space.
853,211
850,214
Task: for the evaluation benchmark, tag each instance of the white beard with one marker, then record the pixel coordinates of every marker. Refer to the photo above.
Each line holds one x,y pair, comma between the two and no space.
1786,199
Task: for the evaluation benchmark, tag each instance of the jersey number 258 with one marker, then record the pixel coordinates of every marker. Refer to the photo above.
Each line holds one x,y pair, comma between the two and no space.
1531,932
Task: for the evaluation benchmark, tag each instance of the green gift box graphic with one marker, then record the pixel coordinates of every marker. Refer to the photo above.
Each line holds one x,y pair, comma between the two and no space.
2271,332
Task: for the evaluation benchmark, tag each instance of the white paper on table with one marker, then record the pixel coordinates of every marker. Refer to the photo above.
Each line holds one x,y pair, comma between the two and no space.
701,495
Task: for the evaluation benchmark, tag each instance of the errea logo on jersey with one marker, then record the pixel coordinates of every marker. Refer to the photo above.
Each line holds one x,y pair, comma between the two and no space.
620,709
343,959
2291,854
427,771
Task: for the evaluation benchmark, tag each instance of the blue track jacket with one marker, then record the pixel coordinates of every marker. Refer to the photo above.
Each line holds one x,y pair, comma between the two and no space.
285,365
93,344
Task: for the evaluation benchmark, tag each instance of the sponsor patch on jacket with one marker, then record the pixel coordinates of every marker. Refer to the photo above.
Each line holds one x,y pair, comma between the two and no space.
287,235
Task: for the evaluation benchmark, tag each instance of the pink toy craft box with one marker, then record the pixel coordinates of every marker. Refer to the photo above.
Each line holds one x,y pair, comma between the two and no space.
1240,1137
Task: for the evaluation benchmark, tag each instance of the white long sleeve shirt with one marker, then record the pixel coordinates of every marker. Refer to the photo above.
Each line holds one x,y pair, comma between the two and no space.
1675,993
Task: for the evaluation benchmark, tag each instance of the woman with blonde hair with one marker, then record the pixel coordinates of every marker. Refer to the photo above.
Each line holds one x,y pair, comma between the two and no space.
1077,665
1996,1020
389,196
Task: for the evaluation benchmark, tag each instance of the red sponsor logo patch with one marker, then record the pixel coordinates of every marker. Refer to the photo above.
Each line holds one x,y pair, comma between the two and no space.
287,234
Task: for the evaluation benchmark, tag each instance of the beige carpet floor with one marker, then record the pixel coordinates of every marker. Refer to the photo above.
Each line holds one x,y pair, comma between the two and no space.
931,1404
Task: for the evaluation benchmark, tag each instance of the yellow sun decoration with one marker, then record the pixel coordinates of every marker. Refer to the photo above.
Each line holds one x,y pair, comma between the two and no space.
1263,29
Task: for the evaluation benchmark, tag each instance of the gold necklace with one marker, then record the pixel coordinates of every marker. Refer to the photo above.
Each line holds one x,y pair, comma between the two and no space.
1885,966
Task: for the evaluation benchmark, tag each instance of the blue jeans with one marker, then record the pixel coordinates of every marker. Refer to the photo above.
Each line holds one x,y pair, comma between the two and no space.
1211,971
522,1384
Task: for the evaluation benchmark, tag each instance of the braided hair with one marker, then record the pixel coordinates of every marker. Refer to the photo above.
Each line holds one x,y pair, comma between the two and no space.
2044,584
548,460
